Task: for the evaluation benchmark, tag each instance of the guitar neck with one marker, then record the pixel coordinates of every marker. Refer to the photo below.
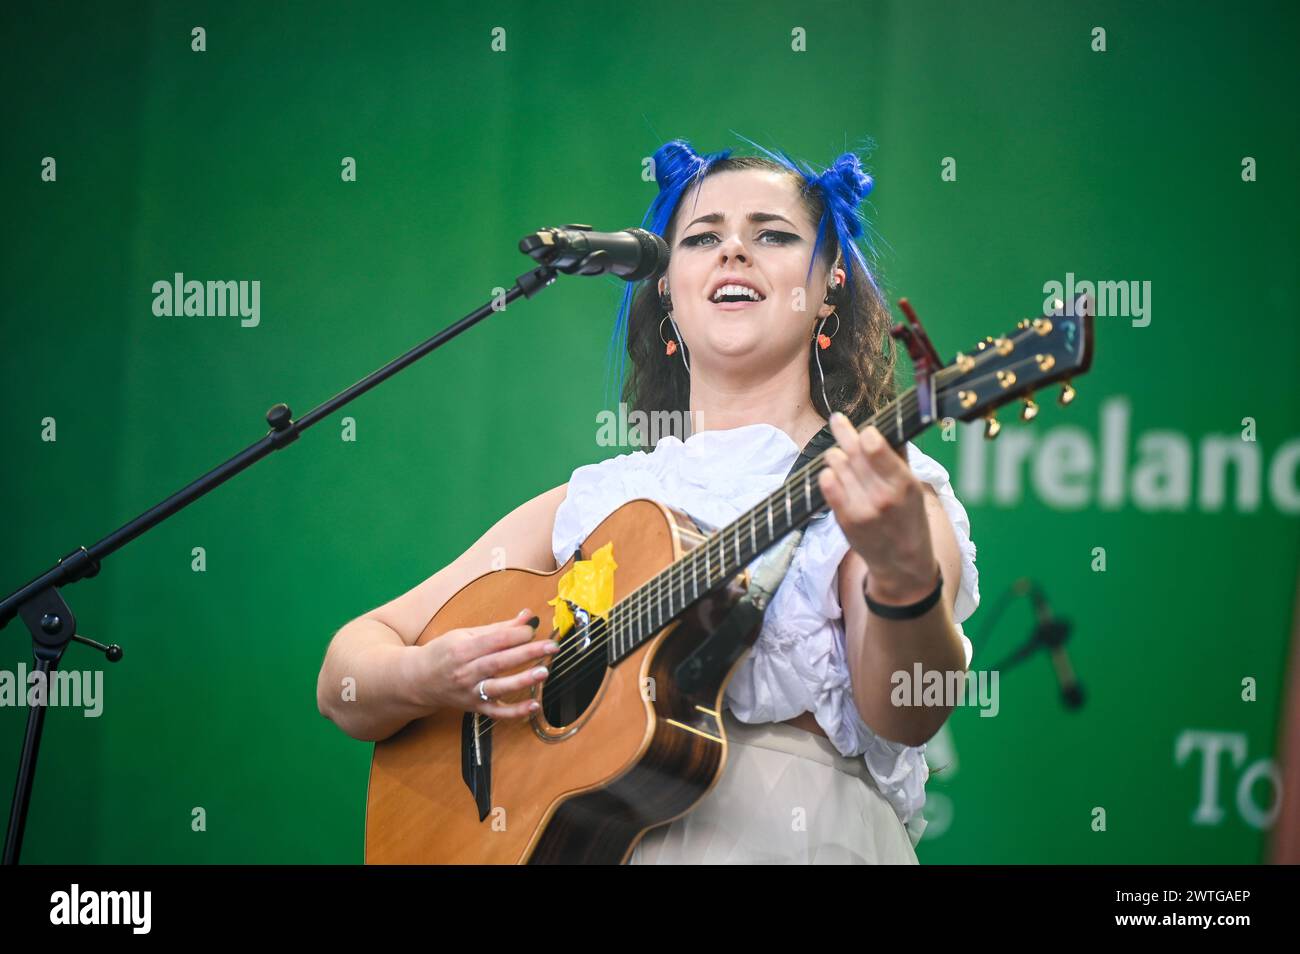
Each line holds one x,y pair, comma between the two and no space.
646,610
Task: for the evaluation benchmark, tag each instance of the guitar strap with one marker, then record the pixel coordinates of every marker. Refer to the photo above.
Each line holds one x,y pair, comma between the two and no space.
821,441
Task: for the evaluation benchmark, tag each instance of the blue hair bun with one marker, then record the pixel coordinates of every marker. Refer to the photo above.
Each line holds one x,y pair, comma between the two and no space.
675,162
845,184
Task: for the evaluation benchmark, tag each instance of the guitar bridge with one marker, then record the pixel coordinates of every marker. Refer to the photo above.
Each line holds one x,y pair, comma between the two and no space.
476,761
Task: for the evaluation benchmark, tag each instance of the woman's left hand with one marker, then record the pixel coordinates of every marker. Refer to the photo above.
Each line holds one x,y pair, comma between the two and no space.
880,506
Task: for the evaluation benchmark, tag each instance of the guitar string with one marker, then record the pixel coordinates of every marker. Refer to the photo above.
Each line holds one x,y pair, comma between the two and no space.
679,574
602,637
904,404
597,636
603,627
598,631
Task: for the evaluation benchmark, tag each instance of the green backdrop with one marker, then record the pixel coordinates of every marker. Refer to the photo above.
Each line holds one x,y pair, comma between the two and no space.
1117,165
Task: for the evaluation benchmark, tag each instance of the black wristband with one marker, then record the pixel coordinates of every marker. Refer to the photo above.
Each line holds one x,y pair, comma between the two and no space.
911,610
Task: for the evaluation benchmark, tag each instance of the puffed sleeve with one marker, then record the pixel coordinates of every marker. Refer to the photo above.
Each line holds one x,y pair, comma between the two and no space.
932,472
595,491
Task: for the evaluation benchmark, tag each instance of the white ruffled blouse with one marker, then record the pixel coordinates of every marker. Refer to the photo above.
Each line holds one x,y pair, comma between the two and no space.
798,663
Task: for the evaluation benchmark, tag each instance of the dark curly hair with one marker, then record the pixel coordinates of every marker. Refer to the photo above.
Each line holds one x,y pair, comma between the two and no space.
859,366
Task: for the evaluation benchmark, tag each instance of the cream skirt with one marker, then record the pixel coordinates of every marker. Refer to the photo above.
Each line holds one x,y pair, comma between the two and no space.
786,796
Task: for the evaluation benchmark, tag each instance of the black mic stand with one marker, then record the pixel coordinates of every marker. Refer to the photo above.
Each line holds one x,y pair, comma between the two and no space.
1050,633
53,624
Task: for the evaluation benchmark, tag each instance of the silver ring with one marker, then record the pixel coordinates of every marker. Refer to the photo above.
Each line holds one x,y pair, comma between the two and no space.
481,694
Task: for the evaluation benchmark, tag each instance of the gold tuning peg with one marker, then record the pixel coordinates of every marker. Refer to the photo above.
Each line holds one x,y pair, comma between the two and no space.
1067,393
1030,410
991,426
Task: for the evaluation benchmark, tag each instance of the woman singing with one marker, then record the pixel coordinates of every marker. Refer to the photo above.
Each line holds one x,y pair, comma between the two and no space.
769,330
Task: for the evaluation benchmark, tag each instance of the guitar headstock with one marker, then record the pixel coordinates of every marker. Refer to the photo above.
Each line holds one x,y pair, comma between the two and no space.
1036,353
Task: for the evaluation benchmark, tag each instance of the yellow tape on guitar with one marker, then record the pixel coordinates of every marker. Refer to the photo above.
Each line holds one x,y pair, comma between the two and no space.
588,584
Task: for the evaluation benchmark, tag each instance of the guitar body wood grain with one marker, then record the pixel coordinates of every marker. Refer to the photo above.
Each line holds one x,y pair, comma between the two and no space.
633,759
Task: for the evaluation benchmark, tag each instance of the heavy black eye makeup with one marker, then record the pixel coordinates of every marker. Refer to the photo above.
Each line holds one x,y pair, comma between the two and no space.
780,238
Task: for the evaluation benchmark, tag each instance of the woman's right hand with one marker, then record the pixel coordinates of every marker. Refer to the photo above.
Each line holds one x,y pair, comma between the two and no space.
447,670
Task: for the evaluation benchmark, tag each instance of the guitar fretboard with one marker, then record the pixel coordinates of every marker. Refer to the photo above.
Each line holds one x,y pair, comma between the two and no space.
728,550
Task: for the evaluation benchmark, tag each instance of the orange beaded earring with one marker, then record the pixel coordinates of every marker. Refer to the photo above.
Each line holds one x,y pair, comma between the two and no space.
670,346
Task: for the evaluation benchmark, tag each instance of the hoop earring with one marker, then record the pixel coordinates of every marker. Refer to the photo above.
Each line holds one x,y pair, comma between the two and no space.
670,347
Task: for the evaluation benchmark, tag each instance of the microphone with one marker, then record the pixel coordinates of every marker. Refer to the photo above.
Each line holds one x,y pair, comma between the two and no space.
1052,634
632,254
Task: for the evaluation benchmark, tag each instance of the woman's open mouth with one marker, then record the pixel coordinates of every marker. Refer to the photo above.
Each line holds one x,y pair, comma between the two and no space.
735,298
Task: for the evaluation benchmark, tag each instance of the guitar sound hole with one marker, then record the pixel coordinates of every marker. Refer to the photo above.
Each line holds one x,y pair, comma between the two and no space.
577,671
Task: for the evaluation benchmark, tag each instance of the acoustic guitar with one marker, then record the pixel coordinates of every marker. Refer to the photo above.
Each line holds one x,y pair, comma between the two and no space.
652,615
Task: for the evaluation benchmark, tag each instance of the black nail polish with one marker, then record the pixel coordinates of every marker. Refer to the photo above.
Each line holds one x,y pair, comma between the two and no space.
534,622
